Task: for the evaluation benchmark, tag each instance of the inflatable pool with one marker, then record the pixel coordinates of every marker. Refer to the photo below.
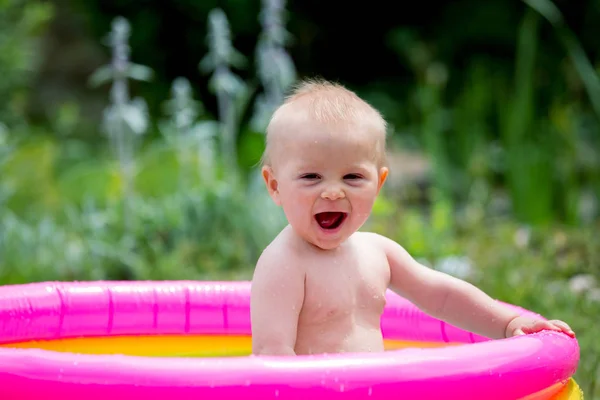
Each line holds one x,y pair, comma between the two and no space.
191,340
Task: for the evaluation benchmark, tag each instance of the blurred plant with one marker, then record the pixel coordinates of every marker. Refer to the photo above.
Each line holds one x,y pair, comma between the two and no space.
194,140
544,161
3,153
432,123
228,87
528,166
577,203
21,23
124,119
585,69
275,67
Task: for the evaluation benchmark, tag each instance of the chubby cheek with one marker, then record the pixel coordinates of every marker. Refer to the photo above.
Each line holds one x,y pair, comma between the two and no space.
297,206
362,203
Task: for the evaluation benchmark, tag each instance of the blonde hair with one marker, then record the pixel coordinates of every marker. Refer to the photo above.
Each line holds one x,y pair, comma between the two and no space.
327,103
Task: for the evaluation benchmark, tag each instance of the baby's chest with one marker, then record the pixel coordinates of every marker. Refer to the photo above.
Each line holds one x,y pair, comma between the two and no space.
346,287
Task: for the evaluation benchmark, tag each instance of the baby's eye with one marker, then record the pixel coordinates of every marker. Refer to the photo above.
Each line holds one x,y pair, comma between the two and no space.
352,177
310,176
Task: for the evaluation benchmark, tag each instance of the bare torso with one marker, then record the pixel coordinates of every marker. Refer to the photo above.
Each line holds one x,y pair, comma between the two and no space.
344,298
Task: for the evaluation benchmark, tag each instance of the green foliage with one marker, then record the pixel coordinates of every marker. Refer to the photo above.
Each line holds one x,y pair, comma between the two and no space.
153,211
585,69
500,130
21,25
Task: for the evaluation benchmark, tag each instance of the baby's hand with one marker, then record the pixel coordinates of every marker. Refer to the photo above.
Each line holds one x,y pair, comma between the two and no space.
524,325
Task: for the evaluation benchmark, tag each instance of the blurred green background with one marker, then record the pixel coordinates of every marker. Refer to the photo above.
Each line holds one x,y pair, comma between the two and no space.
130,133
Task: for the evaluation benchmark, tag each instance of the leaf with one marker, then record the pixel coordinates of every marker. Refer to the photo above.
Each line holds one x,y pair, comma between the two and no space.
227,82
136,116
207,64
236,59
101,76
140,72
547,9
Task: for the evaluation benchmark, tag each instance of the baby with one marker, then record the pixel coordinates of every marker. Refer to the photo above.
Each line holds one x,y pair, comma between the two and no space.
319,286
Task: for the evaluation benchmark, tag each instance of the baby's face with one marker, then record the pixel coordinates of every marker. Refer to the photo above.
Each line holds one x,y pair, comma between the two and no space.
326,183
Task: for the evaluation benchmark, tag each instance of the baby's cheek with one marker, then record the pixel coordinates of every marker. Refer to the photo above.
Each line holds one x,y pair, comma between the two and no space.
363,209
366,198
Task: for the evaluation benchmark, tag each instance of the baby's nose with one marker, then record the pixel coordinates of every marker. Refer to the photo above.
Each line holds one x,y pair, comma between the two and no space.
333,194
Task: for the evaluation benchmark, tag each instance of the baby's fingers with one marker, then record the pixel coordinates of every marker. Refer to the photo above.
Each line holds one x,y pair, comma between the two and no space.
540,325
563,326
554,325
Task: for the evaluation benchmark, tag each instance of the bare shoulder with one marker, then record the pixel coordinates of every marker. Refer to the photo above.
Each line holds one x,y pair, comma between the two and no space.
376,240
396,255
279,262
281,251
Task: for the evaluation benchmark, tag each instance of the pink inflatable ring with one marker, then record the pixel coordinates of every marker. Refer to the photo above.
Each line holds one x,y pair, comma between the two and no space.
191,340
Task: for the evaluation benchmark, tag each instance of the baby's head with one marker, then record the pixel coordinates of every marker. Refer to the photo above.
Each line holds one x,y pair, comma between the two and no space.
325,161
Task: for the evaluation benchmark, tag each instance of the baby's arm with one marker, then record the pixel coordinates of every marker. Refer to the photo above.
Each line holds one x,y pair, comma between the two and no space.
445,297
277,295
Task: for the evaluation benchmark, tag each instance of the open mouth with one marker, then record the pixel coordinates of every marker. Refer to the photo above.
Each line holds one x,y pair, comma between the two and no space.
330,220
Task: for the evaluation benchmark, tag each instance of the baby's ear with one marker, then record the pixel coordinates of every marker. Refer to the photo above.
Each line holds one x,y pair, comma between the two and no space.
383,174
271,183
